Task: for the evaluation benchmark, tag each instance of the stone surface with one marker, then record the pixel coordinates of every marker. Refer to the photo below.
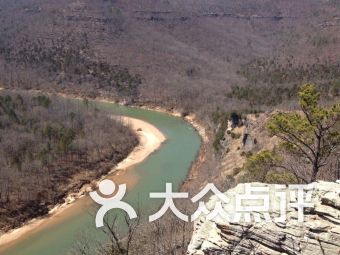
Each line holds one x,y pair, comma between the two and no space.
319,234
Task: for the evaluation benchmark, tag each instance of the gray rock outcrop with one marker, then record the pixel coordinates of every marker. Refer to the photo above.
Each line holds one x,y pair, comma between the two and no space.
319,234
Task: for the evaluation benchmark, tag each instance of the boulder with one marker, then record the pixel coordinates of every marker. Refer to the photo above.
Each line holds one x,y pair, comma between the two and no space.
318,234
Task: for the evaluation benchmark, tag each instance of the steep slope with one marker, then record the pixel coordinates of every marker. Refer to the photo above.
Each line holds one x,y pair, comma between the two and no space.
185,53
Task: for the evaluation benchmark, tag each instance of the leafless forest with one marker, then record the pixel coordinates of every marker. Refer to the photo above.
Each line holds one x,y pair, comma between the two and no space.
206,57
216,59
49,147
193,56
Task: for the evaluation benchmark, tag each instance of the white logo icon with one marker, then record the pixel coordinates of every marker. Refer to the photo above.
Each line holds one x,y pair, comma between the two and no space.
107,188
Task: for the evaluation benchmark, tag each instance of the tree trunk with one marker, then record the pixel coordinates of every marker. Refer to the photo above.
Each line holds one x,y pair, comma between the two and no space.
315,172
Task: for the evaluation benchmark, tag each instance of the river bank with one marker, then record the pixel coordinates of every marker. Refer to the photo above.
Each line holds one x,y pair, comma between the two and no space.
150,139
191,118
137,156
190,184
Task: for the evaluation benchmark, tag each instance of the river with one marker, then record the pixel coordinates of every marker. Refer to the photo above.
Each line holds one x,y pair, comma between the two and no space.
170,163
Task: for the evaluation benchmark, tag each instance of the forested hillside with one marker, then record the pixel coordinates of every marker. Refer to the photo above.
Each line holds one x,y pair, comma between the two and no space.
50,147
214,61
211,58
194,56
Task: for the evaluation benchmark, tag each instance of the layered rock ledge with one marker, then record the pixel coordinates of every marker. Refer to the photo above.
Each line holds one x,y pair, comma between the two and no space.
318,234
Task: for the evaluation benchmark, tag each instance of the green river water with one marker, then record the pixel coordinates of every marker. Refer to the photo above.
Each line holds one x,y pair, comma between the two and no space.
170,163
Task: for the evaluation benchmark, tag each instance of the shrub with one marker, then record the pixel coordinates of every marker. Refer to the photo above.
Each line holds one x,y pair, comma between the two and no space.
235,135
258,165
280,177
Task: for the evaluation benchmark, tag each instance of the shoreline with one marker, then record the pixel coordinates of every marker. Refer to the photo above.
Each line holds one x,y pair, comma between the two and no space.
191,119
150,139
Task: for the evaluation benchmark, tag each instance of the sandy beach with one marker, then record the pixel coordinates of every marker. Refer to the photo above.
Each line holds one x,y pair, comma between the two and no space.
150,139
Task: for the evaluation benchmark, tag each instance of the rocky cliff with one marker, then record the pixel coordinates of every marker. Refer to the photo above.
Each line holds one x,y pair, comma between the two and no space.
318,234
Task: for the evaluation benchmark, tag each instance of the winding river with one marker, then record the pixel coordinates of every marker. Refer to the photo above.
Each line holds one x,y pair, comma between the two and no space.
170,163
